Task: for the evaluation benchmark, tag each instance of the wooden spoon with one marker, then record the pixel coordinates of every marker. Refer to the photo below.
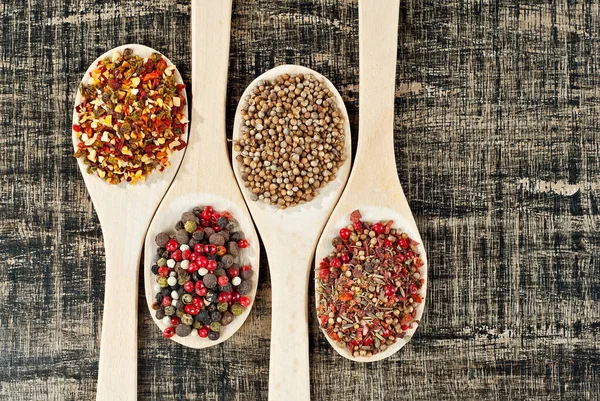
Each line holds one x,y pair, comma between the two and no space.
205,176
374,187
290,236
124,212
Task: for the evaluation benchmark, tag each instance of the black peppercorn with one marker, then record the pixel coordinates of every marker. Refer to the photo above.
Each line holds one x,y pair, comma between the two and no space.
165,255
220,272
160,314
159,297
162,239
226,288
225,235
211,296
233,249
236,236
213,335
195,276
227,318
227,260
192,243
245,287
154,269
203,314
197,211
246,274
178,225
216,239
210,281
216,316
182,236
222,222
188,216
198,235
183,330
211,308
166,292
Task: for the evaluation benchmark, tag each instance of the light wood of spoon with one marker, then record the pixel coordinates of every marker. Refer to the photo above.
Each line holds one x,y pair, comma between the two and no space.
289,237
205,176
124,212
373,186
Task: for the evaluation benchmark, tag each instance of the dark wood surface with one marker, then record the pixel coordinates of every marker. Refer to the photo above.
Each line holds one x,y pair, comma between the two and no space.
497,142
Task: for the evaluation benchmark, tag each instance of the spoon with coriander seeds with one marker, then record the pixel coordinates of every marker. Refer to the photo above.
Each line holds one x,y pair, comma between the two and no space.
292,159
370,265
119,145
201,251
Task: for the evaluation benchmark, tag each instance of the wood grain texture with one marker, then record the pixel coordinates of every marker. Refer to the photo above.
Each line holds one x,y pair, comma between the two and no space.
497,112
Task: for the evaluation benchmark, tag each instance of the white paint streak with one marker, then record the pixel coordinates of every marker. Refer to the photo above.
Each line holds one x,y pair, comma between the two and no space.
559,187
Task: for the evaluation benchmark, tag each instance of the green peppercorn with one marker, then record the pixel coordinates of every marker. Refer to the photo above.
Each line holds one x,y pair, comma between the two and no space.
197,324
222,307
161,262
236,309
187,319
215,326
190,226
179,313
163,282
169,310
187,299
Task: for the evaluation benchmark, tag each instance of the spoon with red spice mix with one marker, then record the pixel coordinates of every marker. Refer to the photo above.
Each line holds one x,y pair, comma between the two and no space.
201,252
370,266
291,157
129,124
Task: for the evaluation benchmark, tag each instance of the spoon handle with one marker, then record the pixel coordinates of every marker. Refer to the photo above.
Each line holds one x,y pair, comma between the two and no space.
378,39
117,369
289,265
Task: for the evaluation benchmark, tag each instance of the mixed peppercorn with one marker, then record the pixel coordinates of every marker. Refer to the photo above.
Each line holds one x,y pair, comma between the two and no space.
200,284
131,117
369,286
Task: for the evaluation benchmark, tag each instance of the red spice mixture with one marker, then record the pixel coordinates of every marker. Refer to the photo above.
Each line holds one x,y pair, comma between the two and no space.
369,286
131,117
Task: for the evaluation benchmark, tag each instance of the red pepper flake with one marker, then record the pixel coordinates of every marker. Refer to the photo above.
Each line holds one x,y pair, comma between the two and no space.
372,299
131,117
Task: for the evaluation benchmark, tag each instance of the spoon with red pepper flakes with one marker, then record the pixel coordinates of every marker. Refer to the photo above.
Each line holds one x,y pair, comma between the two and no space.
105,105
374,189
205,177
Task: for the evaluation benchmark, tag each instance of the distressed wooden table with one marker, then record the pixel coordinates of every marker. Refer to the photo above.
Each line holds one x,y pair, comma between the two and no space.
497,140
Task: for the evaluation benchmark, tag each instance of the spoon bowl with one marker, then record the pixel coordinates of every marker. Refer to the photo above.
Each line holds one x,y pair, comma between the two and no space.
124,212
373,187
290,236
371,213
169,213
205,176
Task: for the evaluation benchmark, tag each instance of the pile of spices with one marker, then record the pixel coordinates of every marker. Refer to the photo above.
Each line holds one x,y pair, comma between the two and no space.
292,140
200,284
369,286
131,117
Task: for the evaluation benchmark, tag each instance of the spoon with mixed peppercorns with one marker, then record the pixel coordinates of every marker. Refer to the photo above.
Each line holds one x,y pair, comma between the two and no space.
371,267
291,157
201,252
129,124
